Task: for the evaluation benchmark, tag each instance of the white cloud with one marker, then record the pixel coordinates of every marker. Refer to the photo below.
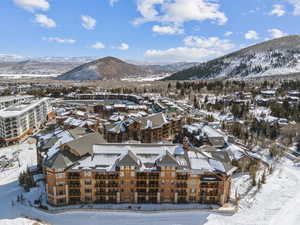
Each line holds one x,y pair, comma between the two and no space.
278,10
228,33
296,4
98,45
59,40
113,2
276,33
167,30
194,49
179,11
44,21
252,35
123,47
208,43
32,5
88,22
181,54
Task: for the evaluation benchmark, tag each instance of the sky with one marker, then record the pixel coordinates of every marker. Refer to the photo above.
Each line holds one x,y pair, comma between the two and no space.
142,30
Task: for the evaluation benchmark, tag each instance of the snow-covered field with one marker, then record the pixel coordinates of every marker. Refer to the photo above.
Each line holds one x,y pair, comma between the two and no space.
276,204
18,76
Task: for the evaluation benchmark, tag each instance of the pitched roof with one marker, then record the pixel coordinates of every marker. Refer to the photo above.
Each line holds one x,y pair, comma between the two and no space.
167,160
84,145
50,142
152,121
62,159
78,132
129,159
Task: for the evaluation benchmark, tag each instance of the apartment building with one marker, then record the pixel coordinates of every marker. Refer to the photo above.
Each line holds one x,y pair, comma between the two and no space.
105,96
6,101
153,128
21,119
134,173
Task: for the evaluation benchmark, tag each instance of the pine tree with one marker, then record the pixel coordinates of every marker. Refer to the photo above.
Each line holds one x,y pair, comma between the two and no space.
259,184
298,144
263,178
196,103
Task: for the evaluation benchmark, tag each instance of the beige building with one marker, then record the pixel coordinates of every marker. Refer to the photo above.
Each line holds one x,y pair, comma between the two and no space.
134,173
154,128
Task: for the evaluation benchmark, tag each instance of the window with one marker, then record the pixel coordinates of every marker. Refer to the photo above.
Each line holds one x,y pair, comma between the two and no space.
61,201
88,182
88,199
88,190
60,175
60,183
60,192
87,173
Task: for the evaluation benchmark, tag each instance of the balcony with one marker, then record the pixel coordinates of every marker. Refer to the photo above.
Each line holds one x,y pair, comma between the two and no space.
74,193
182,177
181,193
73,176
181,185
74,184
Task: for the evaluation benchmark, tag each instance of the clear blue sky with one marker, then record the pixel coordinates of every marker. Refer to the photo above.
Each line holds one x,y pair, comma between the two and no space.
145,30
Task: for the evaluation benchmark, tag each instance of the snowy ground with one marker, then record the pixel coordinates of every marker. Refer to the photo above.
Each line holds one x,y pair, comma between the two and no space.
276,204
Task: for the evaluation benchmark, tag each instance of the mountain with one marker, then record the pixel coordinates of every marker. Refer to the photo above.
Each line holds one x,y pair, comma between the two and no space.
275,57
36,67
12,58
15,64
108,68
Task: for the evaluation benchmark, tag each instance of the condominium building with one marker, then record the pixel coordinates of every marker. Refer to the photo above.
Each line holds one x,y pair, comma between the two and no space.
80,172
6,101
18,120
154,128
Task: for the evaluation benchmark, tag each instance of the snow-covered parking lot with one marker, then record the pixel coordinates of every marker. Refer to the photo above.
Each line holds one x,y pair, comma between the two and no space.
276,204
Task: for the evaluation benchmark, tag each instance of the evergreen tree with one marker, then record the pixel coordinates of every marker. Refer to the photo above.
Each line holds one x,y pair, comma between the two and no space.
263,178
298,144
259,185
196,103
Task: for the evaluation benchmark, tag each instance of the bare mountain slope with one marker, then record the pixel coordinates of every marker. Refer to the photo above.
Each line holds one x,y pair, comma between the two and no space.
108,68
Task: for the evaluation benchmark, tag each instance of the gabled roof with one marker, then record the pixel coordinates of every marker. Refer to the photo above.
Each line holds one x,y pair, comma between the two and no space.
78,132
167,160
152,121
129,159
50,142
84,145
61,159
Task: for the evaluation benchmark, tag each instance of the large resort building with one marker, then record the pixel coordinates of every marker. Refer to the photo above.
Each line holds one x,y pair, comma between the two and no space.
154,128
83,171
21,119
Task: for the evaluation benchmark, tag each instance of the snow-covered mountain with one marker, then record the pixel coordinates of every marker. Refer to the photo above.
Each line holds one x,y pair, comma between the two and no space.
15,64
109,68
276,57
36,67
12,58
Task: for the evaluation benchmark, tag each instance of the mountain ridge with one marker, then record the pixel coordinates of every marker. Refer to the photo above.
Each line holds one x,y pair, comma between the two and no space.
113,68
277,56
